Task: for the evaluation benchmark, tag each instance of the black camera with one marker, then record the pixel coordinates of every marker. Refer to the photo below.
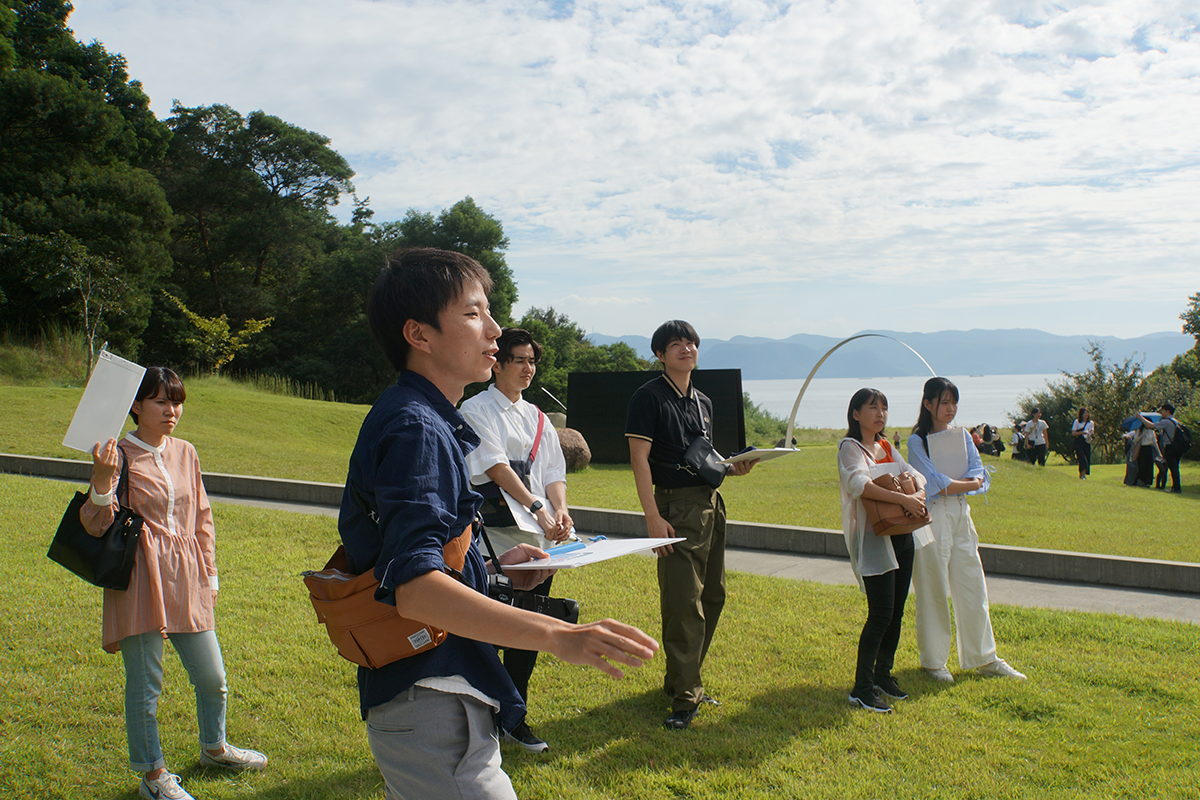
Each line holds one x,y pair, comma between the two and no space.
558,607
500,589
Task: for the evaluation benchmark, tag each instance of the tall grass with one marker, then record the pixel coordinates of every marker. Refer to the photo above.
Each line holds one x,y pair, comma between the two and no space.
55,356
283,385
1108,710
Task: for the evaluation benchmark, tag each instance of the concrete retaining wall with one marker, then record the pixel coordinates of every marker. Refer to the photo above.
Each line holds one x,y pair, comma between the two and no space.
1054,565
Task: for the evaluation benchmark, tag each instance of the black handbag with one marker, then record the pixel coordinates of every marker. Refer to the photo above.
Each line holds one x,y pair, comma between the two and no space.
105,560
703,461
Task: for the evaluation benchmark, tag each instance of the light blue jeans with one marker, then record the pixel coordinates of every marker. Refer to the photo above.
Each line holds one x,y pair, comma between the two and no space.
201,657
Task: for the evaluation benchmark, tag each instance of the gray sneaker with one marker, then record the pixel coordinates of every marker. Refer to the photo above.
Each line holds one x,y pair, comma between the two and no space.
1000,669
234,758
164,787
940,674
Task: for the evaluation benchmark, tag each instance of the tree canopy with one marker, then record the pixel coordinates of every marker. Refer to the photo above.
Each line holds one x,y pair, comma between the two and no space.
75,137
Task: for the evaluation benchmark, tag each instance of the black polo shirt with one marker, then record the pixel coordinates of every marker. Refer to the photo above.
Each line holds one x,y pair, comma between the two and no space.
669,420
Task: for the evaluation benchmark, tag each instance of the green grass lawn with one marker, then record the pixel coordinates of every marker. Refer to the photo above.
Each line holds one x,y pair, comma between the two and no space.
1109,709
237,429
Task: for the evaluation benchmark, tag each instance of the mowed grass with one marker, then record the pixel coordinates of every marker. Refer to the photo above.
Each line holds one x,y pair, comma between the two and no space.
237,429
1108,711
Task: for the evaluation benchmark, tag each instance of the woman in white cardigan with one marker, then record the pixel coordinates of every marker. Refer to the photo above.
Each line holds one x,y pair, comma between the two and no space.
882,564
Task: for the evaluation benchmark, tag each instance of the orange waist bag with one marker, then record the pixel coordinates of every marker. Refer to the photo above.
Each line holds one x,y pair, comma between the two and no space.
364,630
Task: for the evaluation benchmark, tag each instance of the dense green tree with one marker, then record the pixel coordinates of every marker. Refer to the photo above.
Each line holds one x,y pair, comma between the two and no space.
75,137
253,196
464,228
1191,318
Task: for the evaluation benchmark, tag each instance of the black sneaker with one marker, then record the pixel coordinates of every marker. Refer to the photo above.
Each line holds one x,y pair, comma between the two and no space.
889,687
871,700
679,720
523,736
709,700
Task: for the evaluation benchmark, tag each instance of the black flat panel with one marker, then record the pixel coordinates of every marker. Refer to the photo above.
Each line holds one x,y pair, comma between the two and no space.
597,402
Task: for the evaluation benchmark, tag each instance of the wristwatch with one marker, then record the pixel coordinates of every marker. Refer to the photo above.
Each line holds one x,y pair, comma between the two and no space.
536,507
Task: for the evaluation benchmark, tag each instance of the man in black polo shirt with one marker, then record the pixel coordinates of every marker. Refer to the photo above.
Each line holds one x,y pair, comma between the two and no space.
665,415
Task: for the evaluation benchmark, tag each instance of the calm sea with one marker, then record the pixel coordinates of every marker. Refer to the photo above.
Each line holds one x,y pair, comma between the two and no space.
982,398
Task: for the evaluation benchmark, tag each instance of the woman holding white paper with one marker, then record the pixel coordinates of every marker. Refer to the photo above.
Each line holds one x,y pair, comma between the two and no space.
882,564
951,568
173,588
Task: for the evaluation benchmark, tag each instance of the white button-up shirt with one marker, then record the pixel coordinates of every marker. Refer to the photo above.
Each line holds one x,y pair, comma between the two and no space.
507,430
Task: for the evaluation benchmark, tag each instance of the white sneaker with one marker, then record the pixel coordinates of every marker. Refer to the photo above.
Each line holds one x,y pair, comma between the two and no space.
164,787
940,674
1000,669
234,758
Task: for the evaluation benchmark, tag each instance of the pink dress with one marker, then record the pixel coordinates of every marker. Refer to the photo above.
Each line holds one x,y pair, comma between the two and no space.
175,572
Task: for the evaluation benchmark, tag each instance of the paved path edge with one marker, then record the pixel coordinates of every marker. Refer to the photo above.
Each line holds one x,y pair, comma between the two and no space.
1054,565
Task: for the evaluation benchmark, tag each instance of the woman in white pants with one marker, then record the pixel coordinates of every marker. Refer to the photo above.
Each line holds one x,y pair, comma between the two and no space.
950,566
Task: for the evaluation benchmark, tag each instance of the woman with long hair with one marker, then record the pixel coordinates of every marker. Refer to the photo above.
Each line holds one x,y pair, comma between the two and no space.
174,584
951,568
882,564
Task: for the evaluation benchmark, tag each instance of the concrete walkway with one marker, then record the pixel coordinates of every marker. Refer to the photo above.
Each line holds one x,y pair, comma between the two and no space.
1006,590
1016,576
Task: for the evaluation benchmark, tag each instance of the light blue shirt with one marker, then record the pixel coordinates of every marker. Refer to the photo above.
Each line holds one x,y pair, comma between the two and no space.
935,482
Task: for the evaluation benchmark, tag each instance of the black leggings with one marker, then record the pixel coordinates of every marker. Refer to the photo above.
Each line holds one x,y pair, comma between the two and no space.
886,594
1083,454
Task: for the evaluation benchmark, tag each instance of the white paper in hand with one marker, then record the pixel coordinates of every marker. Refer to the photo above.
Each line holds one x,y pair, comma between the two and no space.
105,403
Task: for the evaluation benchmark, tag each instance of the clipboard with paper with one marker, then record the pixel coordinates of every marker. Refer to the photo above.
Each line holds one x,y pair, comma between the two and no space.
582,553
948,452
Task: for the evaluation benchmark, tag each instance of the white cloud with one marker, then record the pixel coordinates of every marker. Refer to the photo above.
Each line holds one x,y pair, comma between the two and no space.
1036,152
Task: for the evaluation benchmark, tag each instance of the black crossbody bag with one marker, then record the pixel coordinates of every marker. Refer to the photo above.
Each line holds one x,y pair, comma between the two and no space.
701,459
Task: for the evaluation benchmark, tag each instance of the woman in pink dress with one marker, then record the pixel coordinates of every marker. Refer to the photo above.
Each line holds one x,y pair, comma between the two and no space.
174,584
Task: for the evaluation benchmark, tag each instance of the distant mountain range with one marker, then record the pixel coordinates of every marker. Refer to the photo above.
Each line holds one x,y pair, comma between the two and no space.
976,352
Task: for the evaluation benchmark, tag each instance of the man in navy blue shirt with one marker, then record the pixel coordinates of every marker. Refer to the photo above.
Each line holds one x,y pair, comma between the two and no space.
431,717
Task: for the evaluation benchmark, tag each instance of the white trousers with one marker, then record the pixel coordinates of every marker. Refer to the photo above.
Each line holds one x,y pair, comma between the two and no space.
949,567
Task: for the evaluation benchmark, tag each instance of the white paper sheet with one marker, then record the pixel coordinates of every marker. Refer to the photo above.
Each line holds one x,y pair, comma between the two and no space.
948,452
592,552
765,454
105,402
528,523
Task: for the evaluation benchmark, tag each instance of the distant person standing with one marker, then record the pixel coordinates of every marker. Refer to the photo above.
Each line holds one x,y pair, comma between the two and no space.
1035,438
1172,449
896,440
1082,430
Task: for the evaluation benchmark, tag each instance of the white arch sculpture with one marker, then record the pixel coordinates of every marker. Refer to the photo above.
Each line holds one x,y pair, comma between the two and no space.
787,441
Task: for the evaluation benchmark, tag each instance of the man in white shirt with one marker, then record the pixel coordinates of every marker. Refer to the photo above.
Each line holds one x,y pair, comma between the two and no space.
520,454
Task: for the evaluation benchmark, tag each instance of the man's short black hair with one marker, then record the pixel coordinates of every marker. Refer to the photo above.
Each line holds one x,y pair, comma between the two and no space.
1170,408
669,332
417,283
515,337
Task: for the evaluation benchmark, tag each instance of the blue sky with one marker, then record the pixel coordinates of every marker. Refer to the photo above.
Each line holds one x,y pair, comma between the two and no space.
758,168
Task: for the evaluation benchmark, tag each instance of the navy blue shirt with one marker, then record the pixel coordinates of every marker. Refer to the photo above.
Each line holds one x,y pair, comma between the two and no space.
409,465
